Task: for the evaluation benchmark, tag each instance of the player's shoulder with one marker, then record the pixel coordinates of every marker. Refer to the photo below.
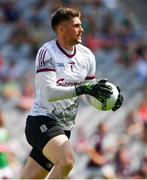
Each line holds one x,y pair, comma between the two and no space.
48,45
44,52
84,49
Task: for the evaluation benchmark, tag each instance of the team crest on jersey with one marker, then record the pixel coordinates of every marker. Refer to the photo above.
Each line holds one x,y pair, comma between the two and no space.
60,64
71,65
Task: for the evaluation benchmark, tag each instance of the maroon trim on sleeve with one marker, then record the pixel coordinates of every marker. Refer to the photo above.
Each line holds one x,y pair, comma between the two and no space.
41,57
90,77
45,70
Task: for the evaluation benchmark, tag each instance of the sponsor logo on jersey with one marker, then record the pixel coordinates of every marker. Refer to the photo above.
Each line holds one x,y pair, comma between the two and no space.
60,64
61,82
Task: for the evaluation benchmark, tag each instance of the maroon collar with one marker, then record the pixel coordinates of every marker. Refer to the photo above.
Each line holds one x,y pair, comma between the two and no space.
64,52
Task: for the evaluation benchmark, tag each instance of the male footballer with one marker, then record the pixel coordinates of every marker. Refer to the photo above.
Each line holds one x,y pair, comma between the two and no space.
64,70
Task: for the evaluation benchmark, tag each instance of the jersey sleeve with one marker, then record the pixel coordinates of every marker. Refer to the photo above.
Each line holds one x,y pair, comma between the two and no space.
44,61
46,78
92,68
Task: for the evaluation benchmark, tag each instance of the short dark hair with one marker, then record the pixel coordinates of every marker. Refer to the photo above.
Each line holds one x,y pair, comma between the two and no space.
63,14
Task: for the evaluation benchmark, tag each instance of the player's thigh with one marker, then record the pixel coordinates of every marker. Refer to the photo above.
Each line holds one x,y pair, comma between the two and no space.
59,149
33,170
40,129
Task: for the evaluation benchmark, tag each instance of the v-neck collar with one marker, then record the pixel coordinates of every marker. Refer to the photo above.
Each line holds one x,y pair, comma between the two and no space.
64,52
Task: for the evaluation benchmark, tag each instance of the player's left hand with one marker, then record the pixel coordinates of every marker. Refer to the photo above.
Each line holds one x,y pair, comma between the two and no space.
119,101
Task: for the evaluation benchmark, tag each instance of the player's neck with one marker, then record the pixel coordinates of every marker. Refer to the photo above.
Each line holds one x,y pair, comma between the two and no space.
65,45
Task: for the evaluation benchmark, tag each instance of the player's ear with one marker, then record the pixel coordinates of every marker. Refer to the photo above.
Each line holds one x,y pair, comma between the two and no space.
61,28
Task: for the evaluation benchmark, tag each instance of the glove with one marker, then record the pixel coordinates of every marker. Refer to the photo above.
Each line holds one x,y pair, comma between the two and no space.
119,101
97,89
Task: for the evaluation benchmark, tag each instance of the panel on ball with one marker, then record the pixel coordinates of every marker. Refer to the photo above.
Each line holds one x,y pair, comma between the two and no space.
106,104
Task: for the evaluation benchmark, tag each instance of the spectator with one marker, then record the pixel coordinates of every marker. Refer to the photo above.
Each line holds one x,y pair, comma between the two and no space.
122,160
5,170
8,160
82,144
133,125
141,66
142,111
4,133
26,99
99,155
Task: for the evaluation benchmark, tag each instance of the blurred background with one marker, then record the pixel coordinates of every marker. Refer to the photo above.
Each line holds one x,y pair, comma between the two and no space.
106,144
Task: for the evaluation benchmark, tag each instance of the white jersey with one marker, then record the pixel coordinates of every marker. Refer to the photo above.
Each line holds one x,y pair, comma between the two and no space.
56,74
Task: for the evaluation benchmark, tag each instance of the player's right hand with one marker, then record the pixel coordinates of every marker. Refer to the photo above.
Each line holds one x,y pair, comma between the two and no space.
100,90
97,89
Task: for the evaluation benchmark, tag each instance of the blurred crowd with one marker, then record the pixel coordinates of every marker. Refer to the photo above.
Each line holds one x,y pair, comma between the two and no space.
24,27
115,153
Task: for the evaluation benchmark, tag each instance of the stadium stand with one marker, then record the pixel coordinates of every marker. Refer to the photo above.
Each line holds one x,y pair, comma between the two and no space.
113,34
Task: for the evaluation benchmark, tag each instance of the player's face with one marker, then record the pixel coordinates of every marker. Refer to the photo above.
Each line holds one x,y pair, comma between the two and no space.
72,31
